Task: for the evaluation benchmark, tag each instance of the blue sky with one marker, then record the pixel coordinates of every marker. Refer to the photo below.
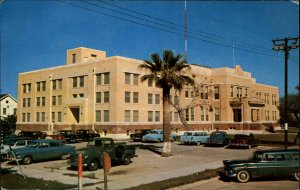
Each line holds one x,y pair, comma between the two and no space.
36,34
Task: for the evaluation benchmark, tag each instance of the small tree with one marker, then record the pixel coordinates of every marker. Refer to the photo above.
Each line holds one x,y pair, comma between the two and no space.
168,72
8,125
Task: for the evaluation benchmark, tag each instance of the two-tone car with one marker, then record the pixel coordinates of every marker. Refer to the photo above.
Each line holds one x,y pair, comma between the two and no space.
42,149
218,138
156,135
13,143
194,137
264,163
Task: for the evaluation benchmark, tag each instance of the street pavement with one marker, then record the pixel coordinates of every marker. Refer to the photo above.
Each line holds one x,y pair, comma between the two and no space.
148,167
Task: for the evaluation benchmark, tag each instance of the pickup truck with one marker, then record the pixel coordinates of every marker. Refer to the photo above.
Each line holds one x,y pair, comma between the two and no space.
92,153
86,135
245,140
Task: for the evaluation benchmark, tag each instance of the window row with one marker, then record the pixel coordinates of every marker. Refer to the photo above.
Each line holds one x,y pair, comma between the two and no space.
128,79
102,97
102,115
78,81
150,98
41,86
26,88
56,117
57,84
102,78
153,116
25,117
57,100
135,97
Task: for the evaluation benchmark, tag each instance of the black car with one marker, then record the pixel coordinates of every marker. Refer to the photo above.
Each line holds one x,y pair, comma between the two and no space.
70,136
86,135
138,135
33,134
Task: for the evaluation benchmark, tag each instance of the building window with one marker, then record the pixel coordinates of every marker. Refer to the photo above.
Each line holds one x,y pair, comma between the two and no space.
43,101
53,100
98,116
81,81
176,100
15,111
37,117
98,79
4,111
106,97
98,97
24,88
150,82
202,113
206,92
135,115
237,115
23,117
187,115
157,116
192,114
43,117
59,84
206,112
38,86
127,97
176,116
43,85
135,97
29,87
74,96
53,117
150,116
106,78
54,85
81,95
135,79
150,98
231,93
157,99
127,78
216,92
73,58
93,55
217,114
58,116
28,102
24,102
28,117
127,115
186,94
38,101
59,100
74,82
106,115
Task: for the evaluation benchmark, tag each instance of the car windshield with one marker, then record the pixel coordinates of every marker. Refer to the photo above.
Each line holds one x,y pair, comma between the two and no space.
187,134
153,132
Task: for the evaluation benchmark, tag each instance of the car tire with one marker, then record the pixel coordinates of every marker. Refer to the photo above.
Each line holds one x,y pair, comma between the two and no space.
127,159
94,164
297,175
27,160
243,176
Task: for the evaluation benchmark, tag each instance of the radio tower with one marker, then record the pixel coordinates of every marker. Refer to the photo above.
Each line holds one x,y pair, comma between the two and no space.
185,31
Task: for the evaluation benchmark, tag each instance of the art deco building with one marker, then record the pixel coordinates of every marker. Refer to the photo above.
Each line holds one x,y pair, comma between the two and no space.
93,91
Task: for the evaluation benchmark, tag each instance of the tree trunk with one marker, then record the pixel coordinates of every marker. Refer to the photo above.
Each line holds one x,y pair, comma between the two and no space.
166,123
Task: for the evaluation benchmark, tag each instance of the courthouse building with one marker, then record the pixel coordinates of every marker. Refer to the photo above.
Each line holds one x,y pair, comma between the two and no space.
105,94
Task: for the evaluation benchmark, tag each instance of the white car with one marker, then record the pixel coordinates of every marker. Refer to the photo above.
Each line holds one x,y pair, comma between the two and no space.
14,145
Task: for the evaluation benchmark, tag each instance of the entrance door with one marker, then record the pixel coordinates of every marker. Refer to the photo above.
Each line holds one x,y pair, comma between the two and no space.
237,115
75,112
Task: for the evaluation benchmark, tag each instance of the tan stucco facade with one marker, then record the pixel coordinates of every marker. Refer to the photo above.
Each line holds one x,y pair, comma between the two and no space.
105,94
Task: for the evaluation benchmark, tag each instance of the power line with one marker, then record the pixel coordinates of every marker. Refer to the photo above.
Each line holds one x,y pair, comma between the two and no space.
221,43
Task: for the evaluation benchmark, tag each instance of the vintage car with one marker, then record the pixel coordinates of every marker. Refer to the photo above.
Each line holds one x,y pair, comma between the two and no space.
13,143
70,136
194,137
244,140
33,134
42,149
264,163
156,136
138,135
92,153
86,135
218,138
54,135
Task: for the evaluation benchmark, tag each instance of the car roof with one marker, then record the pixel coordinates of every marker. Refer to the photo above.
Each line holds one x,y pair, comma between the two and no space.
277,150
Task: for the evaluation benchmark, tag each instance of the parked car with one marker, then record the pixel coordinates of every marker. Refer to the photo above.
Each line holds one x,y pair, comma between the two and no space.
42,149
92,153
33,134
70,136
156,136
14,143
194,137
55,135
218,138
245,140
138,135
86,135
264,163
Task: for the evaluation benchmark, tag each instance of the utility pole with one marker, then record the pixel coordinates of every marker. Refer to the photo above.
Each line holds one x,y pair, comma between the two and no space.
284,45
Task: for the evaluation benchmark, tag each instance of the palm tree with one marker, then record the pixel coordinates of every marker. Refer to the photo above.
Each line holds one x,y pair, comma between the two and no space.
168,72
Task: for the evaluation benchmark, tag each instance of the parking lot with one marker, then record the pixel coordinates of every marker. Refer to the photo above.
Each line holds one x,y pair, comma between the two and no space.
148,167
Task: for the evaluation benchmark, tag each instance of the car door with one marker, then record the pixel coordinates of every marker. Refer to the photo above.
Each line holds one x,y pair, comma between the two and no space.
56,150
109,148
42,151
267,167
